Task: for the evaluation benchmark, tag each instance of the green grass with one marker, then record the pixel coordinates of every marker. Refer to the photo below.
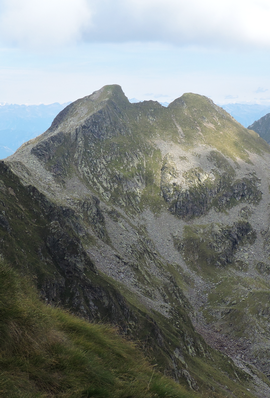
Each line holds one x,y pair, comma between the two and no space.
46,352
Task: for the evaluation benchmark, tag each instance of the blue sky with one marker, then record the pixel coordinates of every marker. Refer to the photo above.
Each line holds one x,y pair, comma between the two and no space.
61,50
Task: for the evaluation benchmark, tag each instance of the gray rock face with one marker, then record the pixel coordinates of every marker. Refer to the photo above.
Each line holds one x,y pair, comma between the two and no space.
153,217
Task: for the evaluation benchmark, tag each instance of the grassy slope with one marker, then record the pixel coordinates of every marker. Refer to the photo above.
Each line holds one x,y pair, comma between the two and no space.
202,121
46,352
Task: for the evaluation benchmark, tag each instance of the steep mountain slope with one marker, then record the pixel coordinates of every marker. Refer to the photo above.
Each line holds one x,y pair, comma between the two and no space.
43,242
46,352
148,217
262,127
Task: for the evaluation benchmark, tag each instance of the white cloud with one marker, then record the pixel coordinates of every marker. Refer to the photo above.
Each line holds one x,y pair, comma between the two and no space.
49,23
222,23
196,22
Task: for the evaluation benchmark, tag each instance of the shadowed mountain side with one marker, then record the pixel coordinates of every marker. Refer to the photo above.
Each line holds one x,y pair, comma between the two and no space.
262,127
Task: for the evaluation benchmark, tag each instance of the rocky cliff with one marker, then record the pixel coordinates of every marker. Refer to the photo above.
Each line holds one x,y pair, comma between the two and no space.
156,220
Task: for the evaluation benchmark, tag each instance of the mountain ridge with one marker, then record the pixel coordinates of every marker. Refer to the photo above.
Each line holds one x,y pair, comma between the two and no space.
20,123
167,206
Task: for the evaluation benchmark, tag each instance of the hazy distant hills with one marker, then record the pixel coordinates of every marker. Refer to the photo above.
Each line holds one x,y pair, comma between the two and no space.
246,114
20,123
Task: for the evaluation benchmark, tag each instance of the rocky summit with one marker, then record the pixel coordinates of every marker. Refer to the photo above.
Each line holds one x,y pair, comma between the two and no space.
155,220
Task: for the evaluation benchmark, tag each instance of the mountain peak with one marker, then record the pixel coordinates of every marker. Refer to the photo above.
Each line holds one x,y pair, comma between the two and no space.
77,112
110,91
198,102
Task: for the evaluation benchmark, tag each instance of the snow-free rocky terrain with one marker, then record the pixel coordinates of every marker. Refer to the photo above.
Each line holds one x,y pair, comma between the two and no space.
156,220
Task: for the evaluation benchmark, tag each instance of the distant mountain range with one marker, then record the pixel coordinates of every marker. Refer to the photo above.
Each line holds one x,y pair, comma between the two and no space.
246,114
20,123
